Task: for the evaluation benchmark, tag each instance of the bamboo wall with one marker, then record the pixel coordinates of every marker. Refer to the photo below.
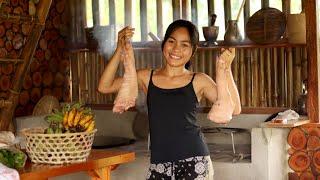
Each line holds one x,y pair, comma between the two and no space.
265,77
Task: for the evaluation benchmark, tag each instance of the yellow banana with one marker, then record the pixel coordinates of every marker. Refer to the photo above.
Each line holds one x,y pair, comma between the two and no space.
77,118
72,113
90,127
65,119
85,119
85,126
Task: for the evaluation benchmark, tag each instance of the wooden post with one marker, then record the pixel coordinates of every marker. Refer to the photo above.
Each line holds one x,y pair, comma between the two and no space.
6,114
194,12
210,9
227,12
313,63
159,19
95,13
185,9
264,3
112,12
128,12
246,14
143,20
176,8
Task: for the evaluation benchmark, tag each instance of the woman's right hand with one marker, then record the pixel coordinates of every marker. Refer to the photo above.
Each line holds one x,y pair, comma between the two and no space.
124,37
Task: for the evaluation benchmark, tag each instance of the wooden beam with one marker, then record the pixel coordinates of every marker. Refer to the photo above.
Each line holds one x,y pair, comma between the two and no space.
159,19
176,8
128,12
112,12
227,12
246,15
313,63
143,20
194,12
210,10
185,9
95,13
7,113
264,3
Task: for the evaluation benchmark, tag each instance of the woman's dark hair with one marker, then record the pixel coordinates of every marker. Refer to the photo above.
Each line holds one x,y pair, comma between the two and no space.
193,34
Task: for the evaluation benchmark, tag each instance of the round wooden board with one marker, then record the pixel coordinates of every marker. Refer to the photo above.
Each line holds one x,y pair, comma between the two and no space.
266,26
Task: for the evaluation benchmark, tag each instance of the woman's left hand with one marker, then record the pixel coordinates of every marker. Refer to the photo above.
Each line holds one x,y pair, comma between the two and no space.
227,55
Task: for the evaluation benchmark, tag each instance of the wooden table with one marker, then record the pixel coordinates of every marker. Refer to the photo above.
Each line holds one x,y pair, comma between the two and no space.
99,166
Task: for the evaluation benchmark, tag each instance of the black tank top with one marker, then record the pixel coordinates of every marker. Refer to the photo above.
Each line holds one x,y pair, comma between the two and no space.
174,133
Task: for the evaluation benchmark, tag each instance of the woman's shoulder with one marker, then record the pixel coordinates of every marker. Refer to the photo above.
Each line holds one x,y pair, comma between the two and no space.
202,77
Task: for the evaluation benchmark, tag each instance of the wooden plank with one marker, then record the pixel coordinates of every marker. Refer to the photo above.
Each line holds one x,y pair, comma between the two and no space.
143,20
313,63
159,19
194,12
227,12
289,124
112,12
128,12
176,8
95,13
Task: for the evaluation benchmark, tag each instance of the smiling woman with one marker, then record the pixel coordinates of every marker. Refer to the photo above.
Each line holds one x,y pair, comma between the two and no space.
173,94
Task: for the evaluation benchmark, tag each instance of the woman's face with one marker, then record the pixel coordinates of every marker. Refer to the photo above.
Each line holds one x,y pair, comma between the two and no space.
177,50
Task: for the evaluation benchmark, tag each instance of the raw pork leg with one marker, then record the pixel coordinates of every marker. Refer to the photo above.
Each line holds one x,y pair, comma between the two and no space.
221,111
128,91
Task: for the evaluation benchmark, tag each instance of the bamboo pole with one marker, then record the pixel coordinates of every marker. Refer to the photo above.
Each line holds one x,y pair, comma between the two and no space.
210,10
176,4
74,77
248,62
227,12
95,13
297,76
209,64
255,79
194,12
275,77
289,75
261,79
269,77
243,94
143,20
265,3
185,9
304,62
159,19
112,12
128,12
283,78
246,14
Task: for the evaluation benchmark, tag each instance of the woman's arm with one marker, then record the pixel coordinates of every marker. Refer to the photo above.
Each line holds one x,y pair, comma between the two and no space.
228,55
107,82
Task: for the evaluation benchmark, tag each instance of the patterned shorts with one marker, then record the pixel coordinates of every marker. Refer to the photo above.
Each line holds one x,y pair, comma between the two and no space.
194,168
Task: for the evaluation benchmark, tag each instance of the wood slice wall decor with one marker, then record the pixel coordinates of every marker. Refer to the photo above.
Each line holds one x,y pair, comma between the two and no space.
49,70
304,153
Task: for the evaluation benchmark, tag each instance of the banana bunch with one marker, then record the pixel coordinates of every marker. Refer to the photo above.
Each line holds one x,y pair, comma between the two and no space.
72,118
77,118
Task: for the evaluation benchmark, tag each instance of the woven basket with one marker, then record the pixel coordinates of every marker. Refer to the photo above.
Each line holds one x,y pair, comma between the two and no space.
58,148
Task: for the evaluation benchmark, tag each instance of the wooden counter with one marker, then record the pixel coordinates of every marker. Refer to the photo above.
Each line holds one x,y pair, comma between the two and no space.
99,166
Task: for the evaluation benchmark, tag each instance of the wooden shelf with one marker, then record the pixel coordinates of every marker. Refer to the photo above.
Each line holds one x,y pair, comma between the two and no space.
156,46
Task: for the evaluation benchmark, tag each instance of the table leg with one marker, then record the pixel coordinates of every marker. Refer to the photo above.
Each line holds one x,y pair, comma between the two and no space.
100,174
